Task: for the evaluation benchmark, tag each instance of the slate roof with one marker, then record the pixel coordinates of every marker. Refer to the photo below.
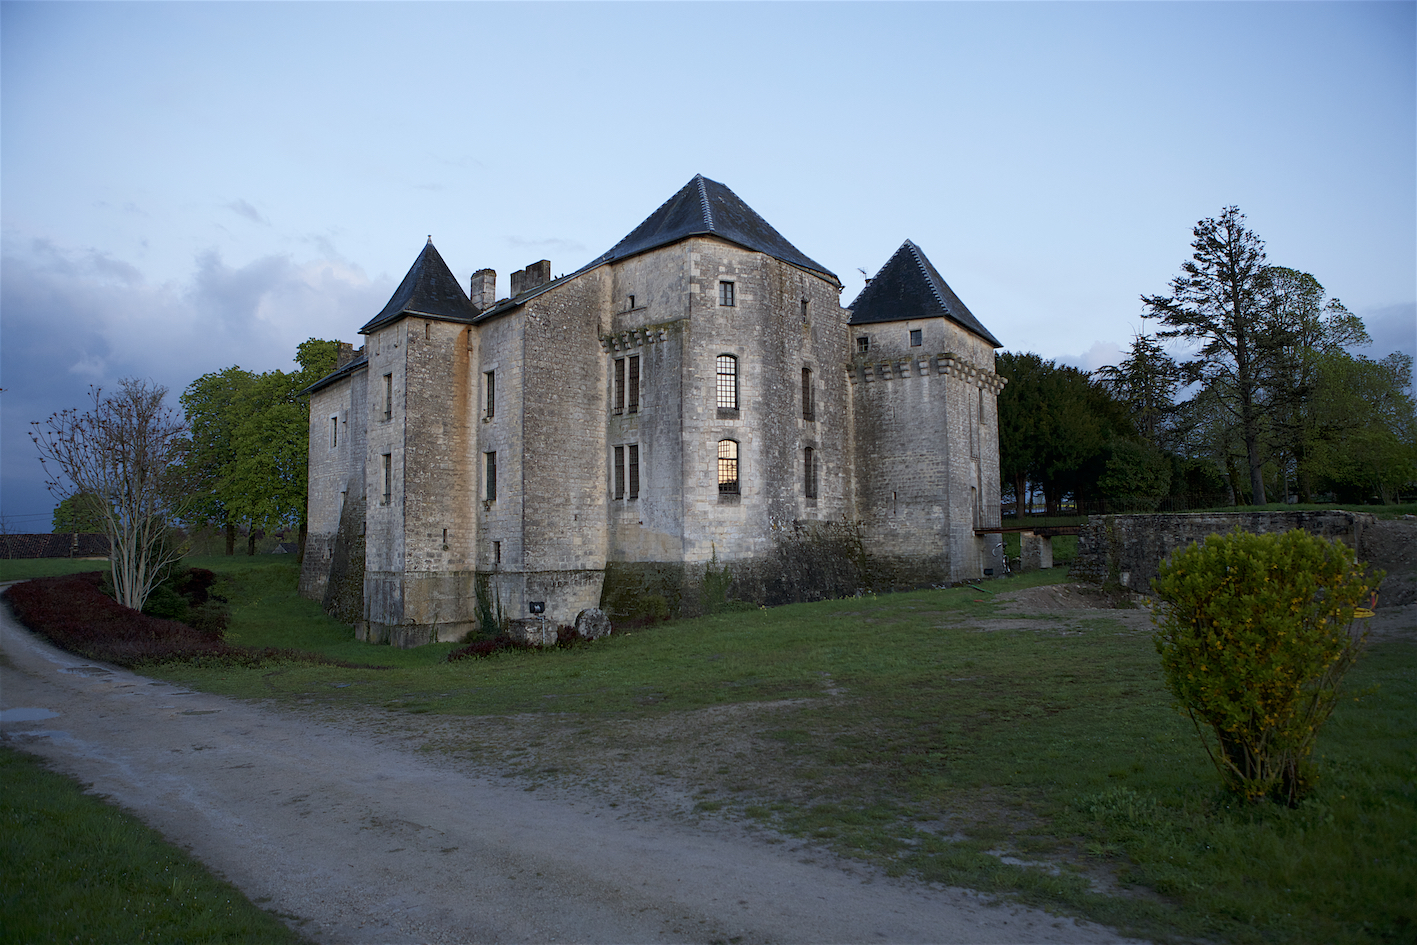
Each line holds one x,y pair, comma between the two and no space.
62,545
429,290
907,287
705,207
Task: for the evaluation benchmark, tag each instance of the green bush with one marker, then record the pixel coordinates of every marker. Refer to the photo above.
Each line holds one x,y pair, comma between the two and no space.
1255,633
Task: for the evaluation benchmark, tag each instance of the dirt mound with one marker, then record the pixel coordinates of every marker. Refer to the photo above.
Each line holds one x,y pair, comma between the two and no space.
1072,597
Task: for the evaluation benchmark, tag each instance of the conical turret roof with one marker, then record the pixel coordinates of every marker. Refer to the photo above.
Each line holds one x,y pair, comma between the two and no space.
429,290
908,287
705,207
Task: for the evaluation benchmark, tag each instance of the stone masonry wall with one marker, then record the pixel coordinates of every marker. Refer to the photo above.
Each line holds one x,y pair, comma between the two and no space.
1126,549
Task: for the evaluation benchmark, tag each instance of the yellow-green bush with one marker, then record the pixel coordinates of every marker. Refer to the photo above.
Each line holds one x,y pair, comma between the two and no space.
1255,633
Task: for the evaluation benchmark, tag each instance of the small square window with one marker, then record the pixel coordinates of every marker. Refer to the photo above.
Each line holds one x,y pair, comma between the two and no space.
725,293
915,337
863,344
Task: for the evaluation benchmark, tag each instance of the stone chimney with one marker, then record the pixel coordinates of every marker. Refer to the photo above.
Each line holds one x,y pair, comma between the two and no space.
538,273
484,289
346,355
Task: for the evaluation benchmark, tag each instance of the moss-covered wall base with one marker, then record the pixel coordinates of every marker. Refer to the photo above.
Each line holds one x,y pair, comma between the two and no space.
810,561
344,589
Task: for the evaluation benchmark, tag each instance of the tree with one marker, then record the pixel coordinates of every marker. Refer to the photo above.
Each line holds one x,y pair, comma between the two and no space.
82,512
1364,413
1146,381
213,407
1222,299
127,448
1054,422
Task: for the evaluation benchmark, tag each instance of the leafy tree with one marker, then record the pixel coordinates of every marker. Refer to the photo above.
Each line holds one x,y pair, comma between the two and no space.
1223,300
1054,426
213,405
128,448
1137,475
81,512
1364,413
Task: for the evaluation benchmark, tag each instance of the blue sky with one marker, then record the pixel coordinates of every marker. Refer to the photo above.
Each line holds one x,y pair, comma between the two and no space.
188,186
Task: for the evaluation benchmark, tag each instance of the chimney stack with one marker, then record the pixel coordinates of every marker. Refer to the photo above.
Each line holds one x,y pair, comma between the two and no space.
538,273
346,354
484,289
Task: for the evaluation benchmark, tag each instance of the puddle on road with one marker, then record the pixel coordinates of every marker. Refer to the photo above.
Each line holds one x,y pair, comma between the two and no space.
26,715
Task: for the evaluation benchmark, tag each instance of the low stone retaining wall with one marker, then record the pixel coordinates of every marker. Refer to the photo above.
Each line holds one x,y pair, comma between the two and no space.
1126,549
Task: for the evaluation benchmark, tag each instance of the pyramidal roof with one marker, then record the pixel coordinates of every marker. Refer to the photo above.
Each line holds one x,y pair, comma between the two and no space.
430,290
907,287
705,207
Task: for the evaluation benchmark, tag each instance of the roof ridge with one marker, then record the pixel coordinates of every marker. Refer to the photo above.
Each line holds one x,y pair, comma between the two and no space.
929,279
704,200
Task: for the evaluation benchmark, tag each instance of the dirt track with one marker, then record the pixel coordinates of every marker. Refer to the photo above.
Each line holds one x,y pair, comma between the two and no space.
360,840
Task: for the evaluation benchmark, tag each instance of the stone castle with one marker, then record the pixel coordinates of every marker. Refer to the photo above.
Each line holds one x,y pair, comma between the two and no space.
690,418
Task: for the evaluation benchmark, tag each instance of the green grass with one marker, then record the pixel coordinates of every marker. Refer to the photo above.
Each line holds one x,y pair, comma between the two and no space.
22,569
75,869
958,738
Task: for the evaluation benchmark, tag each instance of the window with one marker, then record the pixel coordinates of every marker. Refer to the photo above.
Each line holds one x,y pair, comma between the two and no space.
632,303
619,472
809,473
725,293
863,344
634,472
727,467
334,432
388,478
496,552
491,394
809,396
804,310
915,337
727,382
388,396
619,386
491,476
634,384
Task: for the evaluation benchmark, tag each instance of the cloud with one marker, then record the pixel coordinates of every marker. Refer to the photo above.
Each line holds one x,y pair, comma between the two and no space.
244,209
72,318
1100,354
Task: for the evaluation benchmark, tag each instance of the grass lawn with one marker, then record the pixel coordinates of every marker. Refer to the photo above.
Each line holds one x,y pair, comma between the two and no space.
1033,755
22,569
75,869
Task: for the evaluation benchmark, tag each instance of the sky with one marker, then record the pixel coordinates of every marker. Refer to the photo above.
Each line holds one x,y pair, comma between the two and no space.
190,186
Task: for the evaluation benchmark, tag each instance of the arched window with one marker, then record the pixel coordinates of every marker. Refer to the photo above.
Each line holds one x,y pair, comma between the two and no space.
727,382
728,467
809,473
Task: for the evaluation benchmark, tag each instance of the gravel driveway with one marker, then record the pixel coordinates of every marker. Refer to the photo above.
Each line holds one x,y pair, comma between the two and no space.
358,838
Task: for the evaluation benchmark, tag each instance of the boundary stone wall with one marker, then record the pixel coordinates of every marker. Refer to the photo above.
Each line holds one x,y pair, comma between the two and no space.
1126,549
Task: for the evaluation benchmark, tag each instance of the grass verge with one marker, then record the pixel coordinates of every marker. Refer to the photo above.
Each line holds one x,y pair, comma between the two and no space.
936,734
75,869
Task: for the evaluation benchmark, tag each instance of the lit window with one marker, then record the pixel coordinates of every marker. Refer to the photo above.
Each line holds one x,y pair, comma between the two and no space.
727,382
725,293
619,472
809,473
809,396
491,394
619,386
915,337
633,385
634,472
491,476
863,344
728,467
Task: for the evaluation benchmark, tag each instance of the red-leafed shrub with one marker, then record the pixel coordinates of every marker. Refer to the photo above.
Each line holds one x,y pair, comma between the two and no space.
486,648
75,615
